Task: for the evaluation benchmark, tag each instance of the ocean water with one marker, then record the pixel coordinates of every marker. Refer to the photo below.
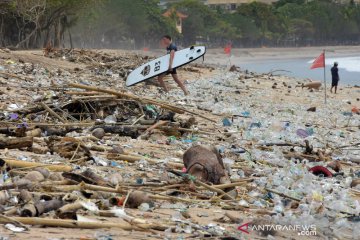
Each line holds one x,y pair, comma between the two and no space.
349,68
350,64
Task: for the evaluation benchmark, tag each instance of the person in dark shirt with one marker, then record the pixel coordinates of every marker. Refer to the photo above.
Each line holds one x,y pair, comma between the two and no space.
171,49
335,77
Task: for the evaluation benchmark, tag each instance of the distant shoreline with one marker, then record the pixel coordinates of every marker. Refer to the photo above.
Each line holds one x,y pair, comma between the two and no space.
256,54
216,56
294,61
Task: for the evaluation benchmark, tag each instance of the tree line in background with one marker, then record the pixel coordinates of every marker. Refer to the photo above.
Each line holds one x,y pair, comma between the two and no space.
284,23
140,23
82,23
36,23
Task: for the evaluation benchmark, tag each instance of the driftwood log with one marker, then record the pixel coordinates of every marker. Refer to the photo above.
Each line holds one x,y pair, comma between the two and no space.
6,142
21,184
69,209
34,210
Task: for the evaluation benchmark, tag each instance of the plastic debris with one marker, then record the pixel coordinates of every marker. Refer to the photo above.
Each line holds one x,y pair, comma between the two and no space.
226,122
14,228
110,119
272,160
302,133
320,170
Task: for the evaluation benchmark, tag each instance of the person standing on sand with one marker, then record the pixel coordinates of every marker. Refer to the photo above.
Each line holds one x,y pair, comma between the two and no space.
171,48
335,77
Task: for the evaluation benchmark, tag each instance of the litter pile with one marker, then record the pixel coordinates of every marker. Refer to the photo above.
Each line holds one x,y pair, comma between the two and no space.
101,62
78,151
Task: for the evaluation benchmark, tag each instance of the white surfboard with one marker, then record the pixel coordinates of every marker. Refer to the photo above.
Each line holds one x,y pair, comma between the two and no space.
161,64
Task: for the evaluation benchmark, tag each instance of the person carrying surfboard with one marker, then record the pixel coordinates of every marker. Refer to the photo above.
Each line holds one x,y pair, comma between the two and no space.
171,48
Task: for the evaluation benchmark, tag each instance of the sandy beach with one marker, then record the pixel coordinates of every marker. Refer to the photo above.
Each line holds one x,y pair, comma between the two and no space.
258,54
255,124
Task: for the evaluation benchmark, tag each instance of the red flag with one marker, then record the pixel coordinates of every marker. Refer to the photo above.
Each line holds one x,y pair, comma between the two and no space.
227,49
319,62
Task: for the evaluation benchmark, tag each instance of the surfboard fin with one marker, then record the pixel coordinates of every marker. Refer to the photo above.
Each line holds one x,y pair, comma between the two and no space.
192,47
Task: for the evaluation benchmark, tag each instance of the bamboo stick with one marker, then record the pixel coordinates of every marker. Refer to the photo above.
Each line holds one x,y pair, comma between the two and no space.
282,194
81,93
48,222
95,98
124,95
57,183
11,211
20,185
14,75
44,124
12,220
144,100
52,112
234,184
71,207
171,198
156,125
132,158
23,164
214,189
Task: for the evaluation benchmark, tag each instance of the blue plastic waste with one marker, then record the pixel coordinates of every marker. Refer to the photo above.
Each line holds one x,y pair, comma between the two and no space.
115,164
238,150
310,131
226,122
245,114
255,125
348,114
139,181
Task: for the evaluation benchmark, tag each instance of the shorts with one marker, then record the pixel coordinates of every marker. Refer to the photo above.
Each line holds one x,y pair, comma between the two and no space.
334,82
173,71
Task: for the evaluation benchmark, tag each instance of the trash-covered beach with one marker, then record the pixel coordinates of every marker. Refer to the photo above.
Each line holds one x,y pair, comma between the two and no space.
245,156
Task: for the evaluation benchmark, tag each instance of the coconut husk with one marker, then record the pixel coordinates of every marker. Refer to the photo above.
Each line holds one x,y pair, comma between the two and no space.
205,163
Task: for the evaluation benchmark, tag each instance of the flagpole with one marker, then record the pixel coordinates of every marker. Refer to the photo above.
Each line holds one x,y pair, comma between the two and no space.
325,78
230,58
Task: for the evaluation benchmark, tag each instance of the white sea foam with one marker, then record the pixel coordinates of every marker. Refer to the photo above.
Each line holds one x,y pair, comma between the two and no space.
350,64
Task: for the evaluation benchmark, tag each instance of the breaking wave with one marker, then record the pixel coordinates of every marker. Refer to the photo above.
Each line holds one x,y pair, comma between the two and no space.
350,64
